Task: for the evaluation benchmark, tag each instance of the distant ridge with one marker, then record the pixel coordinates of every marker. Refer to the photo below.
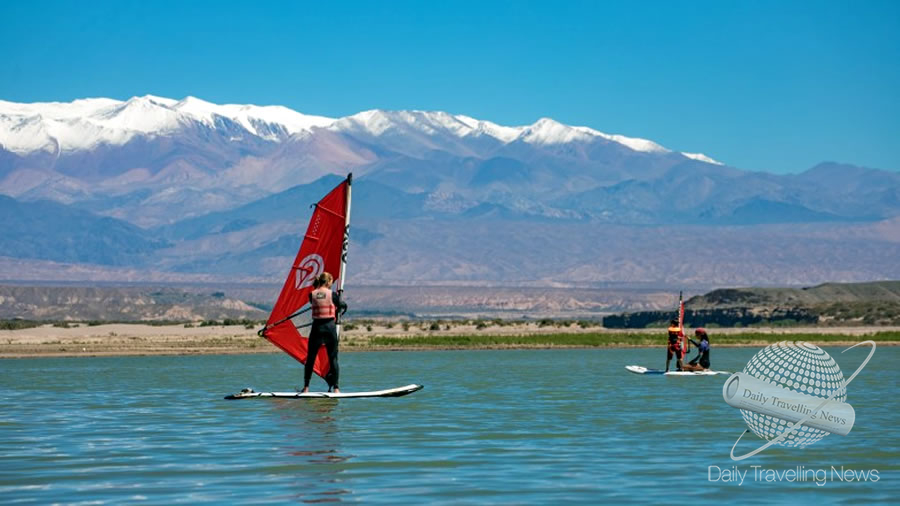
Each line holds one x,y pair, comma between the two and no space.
876,291
872,303
69,303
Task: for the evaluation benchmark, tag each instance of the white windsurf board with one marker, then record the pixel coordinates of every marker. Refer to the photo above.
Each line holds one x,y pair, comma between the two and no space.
248,393
639,369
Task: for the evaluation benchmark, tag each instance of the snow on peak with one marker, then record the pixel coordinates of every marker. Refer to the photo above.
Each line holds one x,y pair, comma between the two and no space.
195,107
252,116
544,131
145,114
374,121
702,158
86,123
154,100
638,144
377,122
548,131
480,127
72,109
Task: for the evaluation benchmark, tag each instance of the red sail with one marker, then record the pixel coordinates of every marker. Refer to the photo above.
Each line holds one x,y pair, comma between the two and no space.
321,251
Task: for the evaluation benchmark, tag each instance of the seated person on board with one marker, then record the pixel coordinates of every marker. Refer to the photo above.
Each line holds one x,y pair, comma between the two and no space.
701,361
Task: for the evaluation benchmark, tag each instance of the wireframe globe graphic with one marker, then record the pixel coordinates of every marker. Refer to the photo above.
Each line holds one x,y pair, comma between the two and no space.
800,367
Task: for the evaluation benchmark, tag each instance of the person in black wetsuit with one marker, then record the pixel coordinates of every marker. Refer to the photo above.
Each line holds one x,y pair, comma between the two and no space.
326,307
701,361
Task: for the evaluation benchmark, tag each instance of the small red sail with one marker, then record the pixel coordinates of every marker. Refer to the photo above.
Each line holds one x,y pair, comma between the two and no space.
323,250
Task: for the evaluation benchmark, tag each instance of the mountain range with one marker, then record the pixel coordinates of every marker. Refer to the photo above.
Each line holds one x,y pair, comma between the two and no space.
144,158
187,186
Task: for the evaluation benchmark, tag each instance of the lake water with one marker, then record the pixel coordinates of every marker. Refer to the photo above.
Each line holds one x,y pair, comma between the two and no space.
490,427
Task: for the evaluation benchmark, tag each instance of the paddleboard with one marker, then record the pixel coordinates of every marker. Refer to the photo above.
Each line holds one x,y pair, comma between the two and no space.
639,369
248,393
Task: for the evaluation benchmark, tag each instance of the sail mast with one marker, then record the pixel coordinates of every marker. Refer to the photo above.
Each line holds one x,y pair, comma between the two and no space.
686,345
345,246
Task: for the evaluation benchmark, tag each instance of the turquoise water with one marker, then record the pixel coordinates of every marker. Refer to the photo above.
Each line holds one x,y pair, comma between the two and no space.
490,427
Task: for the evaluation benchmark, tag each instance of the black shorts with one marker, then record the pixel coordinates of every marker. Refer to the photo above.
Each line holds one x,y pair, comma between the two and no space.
676,351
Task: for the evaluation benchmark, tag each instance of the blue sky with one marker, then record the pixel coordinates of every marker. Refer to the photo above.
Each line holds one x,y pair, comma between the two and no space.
775,86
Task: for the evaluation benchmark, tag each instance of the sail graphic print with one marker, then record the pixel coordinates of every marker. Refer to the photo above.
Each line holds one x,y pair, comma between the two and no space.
323,250
308,270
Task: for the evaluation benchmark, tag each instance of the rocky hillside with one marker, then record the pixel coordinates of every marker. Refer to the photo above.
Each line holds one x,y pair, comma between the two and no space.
119,304
880,291
876,303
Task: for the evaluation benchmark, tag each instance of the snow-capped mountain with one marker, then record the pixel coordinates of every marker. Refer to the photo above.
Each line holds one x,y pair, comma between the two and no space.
161,159
225,189
87,123
153,160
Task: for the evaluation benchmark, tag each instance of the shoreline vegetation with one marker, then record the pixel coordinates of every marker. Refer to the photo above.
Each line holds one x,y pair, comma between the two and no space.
21,339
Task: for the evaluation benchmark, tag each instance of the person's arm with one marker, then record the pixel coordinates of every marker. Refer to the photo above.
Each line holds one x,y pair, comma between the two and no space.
695,343
338,301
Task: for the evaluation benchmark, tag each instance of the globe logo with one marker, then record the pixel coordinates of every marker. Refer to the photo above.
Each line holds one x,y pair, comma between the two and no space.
799,367
792,394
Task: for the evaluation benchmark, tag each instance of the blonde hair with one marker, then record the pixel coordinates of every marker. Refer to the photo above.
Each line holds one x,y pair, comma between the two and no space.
323,279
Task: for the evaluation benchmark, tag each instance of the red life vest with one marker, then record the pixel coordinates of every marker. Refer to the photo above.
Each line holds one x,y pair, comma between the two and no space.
322,304
675,335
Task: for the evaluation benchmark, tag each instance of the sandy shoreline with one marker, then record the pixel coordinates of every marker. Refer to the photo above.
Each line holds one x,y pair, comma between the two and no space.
140,339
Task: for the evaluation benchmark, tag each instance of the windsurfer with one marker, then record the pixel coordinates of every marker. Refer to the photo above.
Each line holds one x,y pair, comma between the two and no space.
674,347
325,306
701,361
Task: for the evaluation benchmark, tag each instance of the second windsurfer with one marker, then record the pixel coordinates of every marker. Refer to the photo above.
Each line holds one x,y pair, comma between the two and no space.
326,305
674,347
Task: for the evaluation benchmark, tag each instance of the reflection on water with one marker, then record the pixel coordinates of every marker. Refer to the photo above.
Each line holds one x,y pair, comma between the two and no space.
313,444
490,426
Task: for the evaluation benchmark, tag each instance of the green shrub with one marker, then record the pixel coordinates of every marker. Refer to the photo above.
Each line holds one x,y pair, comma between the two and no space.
18,324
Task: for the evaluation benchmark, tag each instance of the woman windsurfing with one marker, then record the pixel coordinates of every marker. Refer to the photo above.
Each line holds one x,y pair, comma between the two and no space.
326,306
